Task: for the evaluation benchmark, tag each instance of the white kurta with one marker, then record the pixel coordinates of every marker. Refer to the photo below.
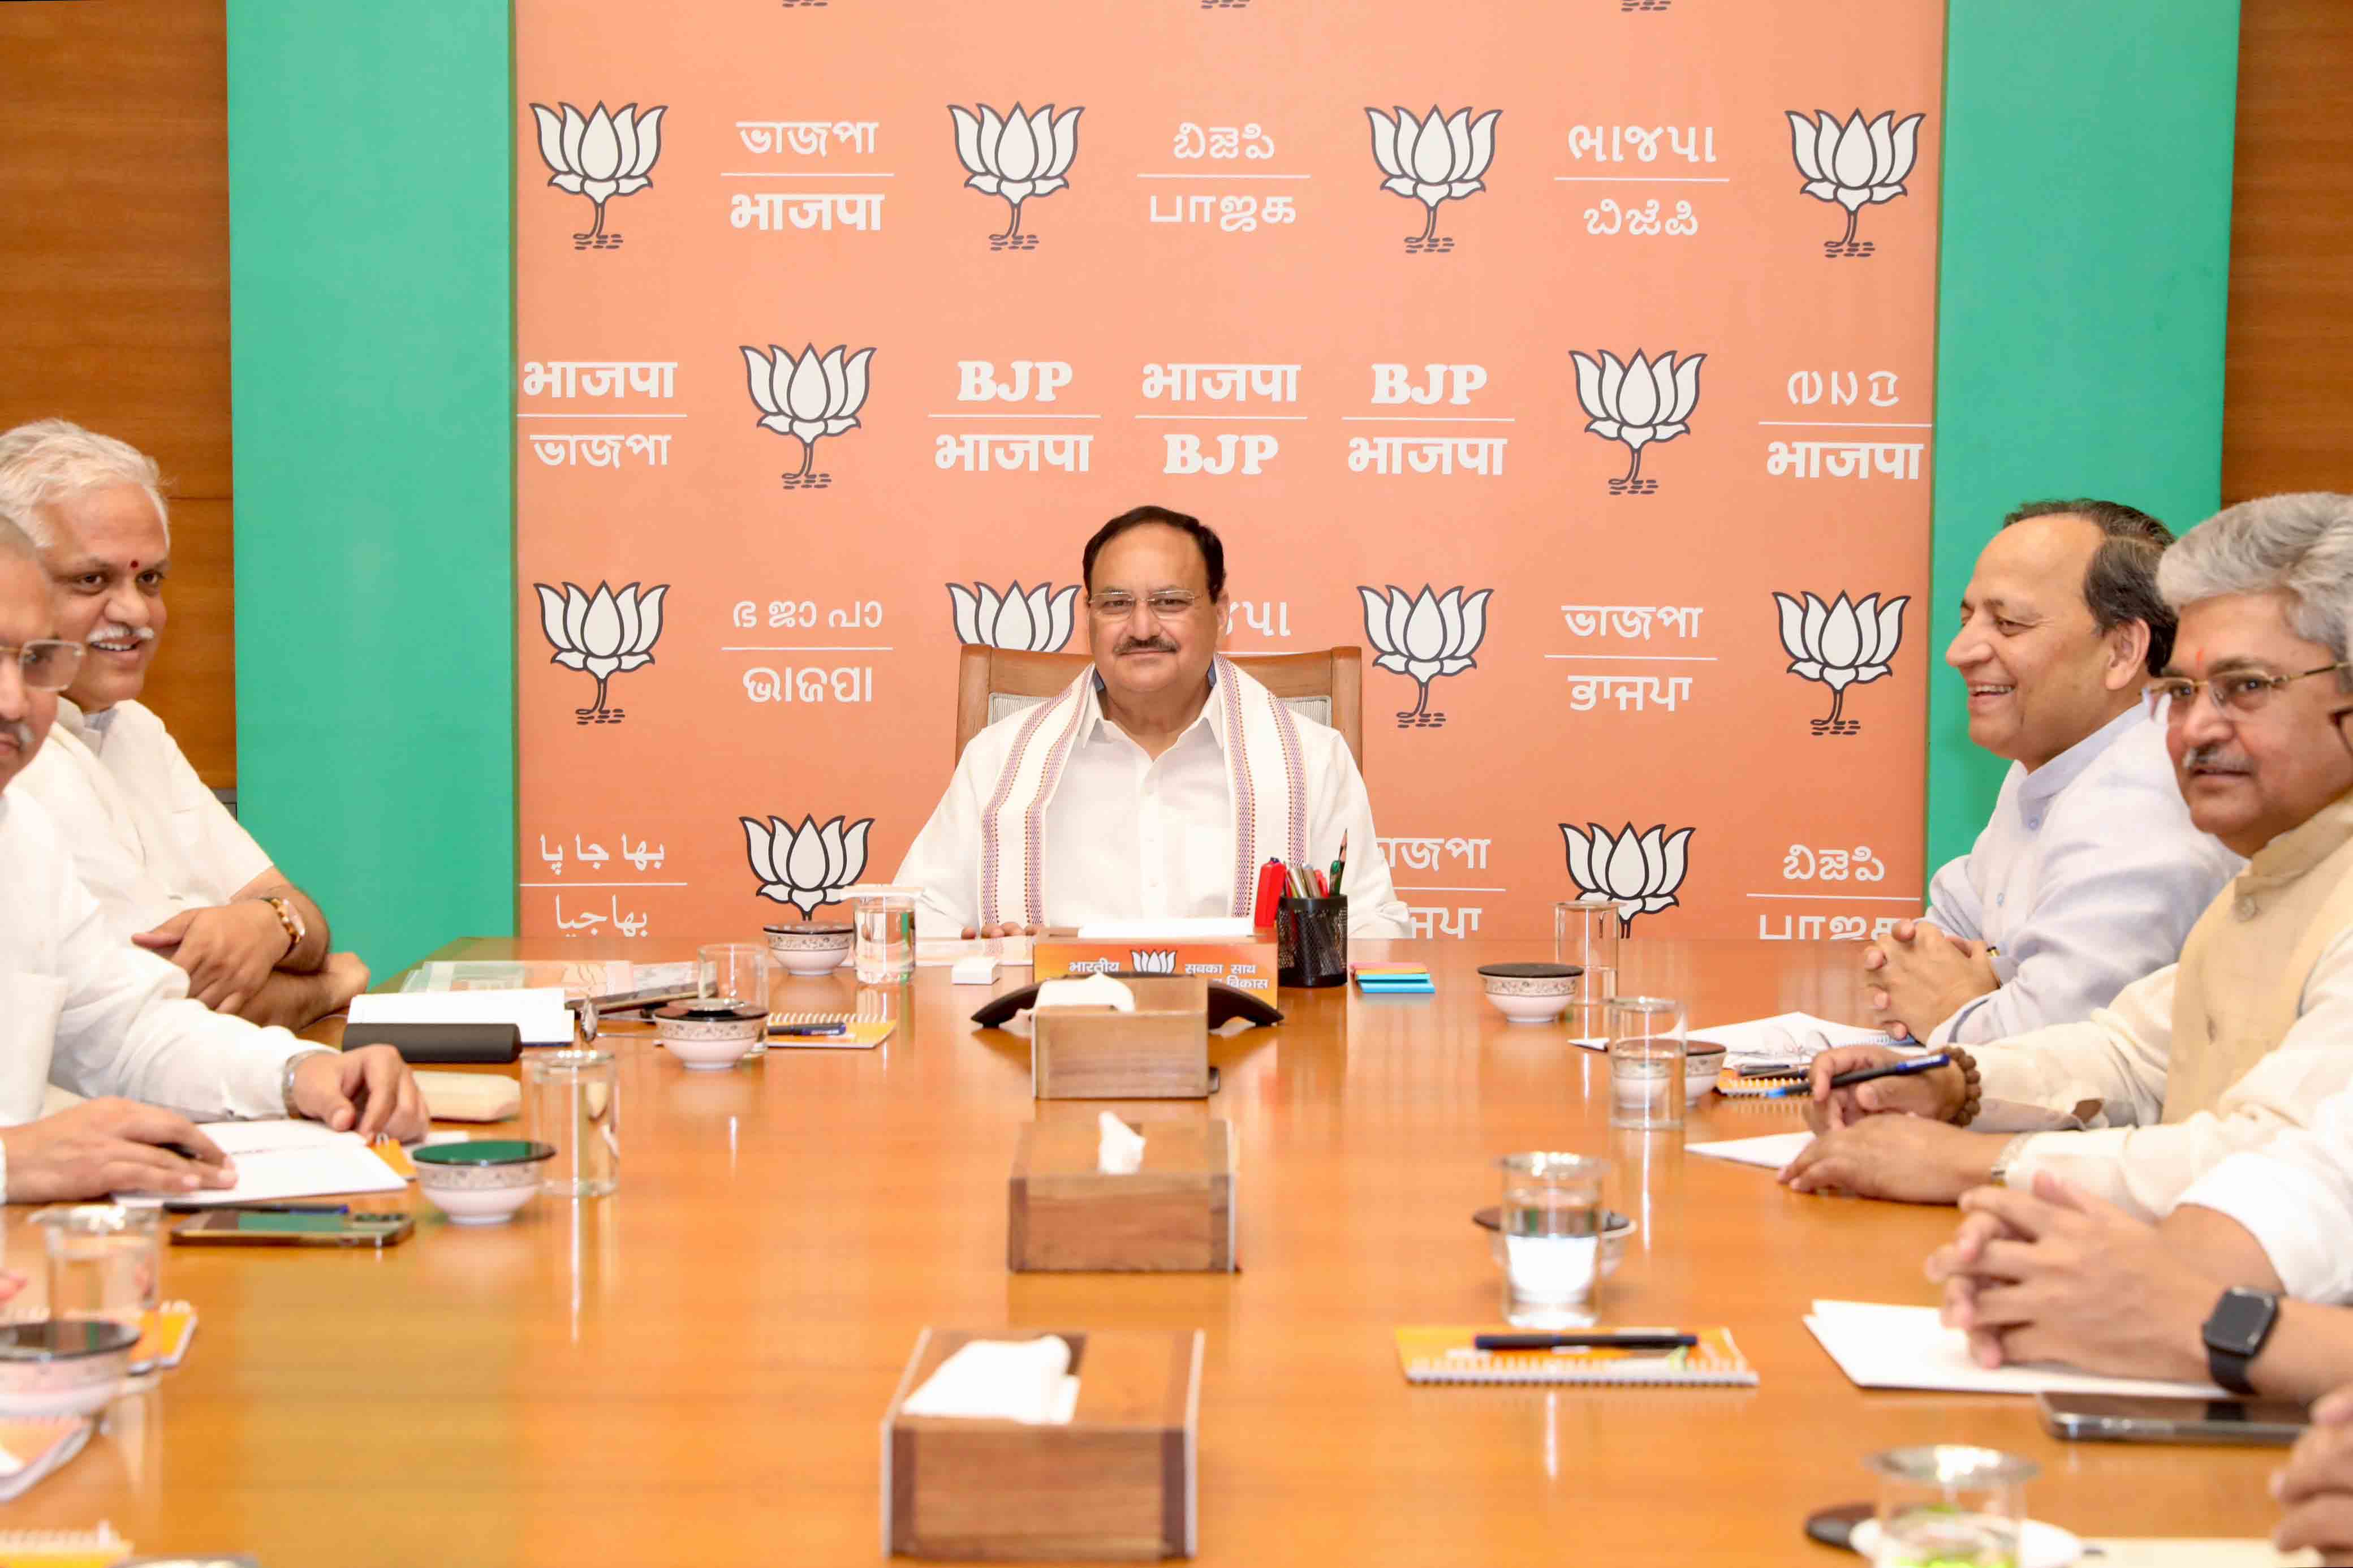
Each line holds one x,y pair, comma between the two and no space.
83,1009
2295,1195
2088,875
1129,837
148,839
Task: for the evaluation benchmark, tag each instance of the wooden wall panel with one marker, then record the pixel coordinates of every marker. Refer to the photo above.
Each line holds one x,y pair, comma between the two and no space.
2287,420
114,289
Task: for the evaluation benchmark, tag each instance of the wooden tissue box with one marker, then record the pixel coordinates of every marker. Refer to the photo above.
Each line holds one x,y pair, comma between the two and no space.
1160,1051
1176,1214
1118,1480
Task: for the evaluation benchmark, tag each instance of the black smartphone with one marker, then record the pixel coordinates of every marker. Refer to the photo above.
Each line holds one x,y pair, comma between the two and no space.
248,1228
2118,1418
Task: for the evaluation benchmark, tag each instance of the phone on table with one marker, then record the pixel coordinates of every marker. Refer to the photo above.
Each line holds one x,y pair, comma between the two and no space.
2120,1418
248,1228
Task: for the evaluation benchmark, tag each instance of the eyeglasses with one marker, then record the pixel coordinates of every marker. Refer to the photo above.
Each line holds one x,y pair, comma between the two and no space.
46,664
1168,604
2235,695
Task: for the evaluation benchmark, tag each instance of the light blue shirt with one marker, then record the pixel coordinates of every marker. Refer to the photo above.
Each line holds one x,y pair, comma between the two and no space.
2087,877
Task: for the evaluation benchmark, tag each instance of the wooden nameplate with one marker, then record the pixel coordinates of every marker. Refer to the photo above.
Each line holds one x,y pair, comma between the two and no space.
1160,1051
1176,1214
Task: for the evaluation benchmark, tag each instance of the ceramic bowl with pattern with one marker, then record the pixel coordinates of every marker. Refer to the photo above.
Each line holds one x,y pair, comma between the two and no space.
482,1180
809,950
1702,1065
706,1038
1530,992
62,1366
1615,1229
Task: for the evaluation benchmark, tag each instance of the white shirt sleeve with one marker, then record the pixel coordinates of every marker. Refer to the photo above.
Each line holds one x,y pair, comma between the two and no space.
2147,1169
1340,806
1954,903
2295,1196
944,859
2116,1057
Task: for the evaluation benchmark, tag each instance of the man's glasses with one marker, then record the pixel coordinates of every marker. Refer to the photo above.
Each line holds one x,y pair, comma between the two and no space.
2234,696
46,664
1168,604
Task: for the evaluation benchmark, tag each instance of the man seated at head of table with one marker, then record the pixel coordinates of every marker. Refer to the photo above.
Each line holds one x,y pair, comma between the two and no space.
83,1009
2090,872
1157,783
2254,1028
172,869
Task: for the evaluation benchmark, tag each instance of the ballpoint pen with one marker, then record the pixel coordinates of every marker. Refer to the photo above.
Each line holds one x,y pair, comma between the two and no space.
1905,1069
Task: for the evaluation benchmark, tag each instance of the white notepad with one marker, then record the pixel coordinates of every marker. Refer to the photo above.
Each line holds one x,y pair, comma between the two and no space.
1772,1150
289,1159
1770,1038
1882,1346
539,1011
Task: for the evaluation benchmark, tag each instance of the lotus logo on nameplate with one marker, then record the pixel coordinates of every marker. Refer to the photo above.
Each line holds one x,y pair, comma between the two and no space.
600,156
1839,645
806,867
1016,157
1426,637
1037,622
1641,872
1160,960
808,398
605,635
1637,404
1432,161
1854,164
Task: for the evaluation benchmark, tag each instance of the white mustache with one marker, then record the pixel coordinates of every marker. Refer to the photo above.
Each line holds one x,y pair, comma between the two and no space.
115,631
21,733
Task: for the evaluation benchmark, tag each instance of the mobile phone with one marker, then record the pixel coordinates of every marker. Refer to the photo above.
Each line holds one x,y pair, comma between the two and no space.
2116,1418
245,1227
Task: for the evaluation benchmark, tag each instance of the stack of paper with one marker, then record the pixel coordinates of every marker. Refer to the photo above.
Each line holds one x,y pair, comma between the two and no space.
278,1160
539,1011
1773,1151
1908,1347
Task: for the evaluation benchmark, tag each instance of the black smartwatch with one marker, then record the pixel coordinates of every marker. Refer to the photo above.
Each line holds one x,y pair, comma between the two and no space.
2235,1333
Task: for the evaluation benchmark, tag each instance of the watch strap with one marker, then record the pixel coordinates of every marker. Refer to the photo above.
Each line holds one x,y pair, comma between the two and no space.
2227,1359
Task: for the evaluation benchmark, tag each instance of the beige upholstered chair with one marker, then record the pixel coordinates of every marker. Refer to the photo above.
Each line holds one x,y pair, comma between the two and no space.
1327,686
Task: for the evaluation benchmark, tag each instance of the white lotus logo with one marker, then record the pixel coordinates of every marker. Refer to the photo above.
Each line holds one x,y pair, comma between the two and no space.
1642,873
1161,961
808,865
1637,404
1425,637
1839,645
1016,157
808,398
1854,164
1037,622
600,156
1433,160
604,635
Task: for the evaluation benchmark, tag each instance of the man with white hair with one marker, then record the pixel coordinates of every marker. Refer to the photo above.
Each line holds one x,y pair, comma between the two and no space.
81,1009
2253,1029
171,866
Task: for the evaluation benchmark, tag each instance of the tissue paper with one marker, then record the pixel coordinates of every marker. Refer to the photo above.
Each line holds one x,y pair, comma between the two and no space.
1094,991
1001,1379
1121,1151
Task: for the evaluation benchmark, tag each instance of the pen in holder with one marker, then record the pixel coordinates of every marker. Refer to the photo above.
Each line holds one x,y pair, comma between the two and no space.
1310,937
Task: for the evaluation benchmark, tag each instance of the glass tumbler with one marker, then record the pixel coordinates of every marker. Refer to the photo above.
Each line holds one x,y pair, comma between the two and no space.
733,973
106,1264
885,922
1945,1503
573,1103
1551,1223
1585,933
1646,1062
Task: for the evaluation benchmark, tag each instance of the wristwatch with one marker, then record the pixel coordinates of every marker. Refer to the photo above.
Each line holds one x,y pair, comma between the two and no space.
288,917
286,1078
2235,1333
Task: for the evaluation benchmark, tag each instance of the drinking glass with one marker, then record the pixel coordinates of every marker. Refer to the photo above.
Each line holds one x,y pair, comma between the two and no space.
1551,1223
106,1264
574,1105
1646,1062
1944,1503
734,974
885,919
1585,933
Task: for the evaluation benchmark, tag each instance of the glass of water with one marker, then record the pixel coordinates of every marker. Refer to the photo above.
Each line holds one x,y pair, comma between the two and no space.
1551,1223
1946,1503
106,1261
734,974
1646,1062
885,920
573,1104
1585,933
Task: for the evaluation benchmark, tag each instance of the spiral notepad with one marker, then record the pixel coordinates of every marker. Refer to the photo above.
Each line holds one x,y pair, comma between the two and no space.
866,1031
1447,1355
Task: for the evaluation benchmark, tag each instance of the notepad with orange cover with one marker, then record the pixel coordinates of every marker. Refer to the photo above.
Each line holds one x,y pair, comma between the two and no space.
866,1032
164,1338
1447,1355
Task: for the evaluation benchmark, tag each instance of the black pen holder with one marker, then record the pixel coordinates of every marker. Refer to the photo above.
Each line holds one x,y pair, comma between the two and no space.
1311,942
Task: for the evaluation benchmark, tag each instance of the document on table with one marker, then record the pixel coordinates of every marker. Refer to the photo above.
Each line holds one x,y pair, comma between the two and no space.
1778,1039
934,952
1906,1347
288,1159
539,1011
1772,1150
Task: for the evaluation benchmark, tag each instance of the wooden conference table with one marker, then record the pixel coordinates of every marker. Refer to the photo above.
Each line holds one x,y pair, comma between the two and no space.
693,1370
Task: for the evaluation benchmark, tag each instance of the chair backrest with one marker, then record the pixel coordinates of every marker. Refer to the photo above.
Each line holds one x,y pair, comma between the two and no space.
1327,686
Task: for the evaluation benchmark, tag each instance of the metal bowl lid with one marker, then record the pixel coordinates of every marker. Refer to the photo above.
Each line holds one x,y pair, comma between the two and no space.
705,1013
812,927
64,1339
1532,971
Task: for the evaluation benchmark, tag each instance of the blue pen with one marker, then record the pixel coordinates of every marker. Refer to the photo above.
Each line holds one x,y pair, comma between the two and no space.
1905,1069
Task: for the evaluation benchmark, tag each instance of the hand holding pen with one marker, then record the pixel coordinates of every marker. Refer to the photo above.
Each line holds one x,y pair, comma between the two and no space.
1850,1082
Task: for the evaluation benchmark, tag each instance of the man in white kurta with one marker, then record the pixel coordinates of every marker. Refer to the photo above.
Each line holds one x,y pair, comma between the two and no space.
1158,784
167,862
86,1012
2089,873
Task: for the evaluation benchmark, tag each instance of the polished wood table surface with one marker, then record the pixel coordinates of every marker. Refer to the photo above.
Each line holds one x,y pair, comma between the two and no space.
693,1371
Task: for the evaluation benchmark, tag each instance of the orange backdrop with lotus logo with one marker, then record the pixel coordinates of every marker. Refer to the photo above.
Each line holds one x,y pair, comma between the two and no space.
1574,360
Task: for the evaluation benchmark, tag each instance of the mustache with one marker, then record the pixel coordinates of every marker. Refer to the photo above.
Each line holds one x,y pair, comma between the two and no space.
1144,645
2213,754
115,631
19,732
